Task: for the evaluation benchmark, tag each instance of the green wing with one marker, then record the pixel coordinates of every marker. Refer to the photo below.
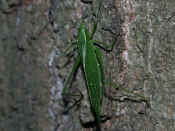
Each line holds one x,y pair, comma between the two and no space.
93,78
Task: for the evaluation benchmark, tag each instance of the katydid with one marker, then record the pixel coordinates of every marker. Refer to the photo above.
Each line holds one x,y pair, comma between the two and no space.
89,57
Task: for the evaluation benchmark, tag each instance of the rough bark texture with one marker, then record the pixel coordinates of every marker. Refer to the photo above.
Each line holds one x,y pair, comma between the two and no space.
35,33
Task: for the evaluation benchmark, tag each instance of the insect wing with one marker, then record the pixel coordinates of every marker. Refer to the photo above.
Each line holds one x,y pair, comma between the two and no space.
93,78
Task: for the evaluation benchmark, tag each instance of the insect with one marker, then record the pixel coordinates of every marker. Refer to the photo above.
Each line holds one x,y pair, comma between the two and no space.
90,59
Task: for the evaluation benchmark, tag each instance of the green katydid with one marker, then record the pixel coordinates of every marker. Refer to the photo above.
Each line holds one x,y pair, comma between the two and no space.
89,57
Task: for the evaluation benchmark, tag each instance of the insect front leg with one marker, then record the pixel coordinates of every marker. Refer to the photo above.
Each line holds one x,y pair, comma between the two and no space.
69,49
96,14
67,53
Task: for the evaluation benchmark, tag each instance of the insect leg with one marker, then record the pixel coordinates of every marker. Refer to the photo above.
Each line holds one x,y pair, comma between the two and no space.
106,47
72,98
66,95
69,49
75,66
130,95
97,13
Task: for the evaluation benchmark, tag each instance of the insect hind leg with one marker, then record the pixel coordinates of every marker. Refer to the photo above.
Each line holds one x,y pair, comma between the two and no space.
65,93
72,99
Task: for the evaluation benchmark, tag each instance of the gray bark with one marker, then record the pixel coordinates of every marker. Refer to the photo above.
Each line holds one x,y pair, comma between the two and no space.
34,35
